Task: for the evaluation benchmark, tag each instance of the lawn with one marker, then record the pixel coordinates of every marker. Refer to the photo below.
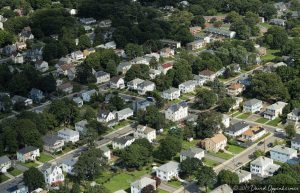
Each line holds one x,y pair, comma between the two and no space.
262,120
266,25
3,178
162,191
45,158
15,172
175,183
30,164
274,122
235,149
187,144
236,113
244,116
122,123
210,163
221,155
123,180
271,55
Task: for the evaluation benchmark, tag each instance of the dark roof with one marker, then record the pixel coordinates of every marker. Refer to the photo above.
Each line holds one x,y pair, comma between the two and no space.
296,138
4,159
123,140
50,140
237,126
27,149
115,79
175,107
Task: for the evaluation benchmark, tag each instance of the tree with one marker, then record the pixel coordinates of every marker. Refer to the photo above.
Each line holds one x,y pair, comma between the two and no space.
258,153
276,37
90,164
205,99
287,73
133,50
116,103
6,38
148,189
225,104
34,179
84,74
227,177
290,131
151,117
284,179
96,189
84,42
208,124
190,166
206,177
242,30
168,148
111,68
137,71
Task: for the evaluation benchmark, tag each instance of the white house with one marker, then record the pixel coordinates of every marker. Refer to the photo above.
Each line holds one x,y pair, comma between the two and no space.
68,135
295,142
244,176
199,80
193,152
41,66
137,186
132,85
122,142
208,75
81,126
164,68
124,67
166,52
28,153
145,132
177,112
168,171
293,117
5,164
78,101
145,86
17,58
87,95
53,174
77,55
226,120
140,60
124,114
106,152
102,77
171,94
197,44
263,166
68,165
235,89
283,154
253,134
252,106
117,82
105,116
274,110
237,129
188,86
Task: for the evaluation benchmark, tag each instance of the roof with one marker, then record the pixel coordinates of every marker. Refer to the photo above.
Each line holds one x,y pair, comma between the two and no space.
104,149
143,182
27,149
101,73
222,189
125,111
177,106
145,83
50,140
89,92
4,159
218,138
295,112
296,138
144,129
188,83
170,166
235,86
284,150
48,166
115,79
206,72
171,90
65,86
242,173
123,140
65,67
276,106
191,152
166,65
253,131
136,81
82,123
237,126
262,161
70,162
252,102
35,91
68,131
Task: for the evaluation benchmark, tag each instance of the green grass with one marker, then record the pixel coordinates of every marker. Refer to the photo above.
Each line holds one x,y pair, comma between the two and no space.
271,55
15,172
121,124
236,113
266,25
3,178
210,163
244,116
235,149
187,144
262,120
45,158
30,164
162,191
123,180
222,155
274,122
175,183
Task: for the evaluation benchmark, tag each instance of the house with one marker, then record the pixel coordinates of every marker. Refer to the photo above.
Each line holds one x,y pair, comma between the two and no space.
237,129
5,164
68,164
194,30
66,88
271,67
293,118
87,95
78,101
72,11
164,68
36,95
117,82
171,43
122,142
199,81
141,104
237,102
215,143
124,114
81,126
253,134
53,143
284,154
28,153
226,120
145,132
65,69
102,77
252,106
77,55
120,52
105,116
68,135
220,32
152,55
139,60
168,171
21,46
87,21
26,34
132,85
263,167
208,75
53,174
17,58
171,94
145,86
177,112
21,100
193,152
153,73
195,45
35,54
166,52
222,189
9,49
273,111
262,51
295,142
88,51
244,176
124,67
105,23
188,86
137,186
280,22
235,89
106,152
41,65
17,186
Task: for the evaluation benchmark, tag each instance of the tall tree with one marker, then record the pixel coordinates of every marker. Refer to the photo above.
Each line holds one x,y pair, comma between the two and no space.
227,177
206,177
34,179
208,124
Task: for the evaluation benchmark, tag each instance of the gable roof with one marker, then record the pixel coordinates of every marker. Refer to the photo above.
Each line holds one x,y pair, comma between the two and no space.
101,73
50,140
218,138
143,182
191,152
27,149
68,132
145,84
262,161
170,166
4,159
235,86
123,140
296,138
283,150
237,126
206,72
176,107
116,79
125,111
144,129
253,131
171,90
252,102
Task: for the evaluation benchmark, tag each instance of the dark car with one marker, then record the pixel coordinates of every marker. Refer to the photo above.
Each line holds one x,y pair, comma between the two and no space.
260,143
270,145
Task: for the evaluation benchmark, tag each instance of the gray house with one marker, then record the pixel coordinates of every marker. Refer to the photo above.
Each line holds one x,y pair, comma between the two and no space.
5,164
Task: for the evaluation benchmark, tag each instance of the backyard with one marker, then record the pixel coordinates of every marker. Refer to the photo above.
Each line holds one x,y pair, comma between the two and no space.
271,55
45,158
189,144
174,183
3,178
235,149
221,155
14,172
210,163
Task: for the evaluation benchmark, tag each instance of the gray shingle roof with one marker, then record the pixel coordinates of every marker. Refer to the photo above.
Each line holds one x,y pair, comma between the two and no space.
176,107
237,126
27,149
252,102
50,140
170,166
4,159
123,140
191,152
